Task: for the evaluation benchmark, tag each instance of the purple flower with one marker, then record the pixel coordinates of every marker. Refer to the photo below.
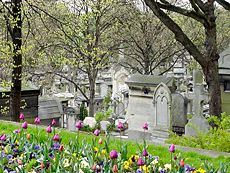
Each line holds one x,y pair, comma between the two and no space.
120,125
79,125
24,125
53,122
145,153
56,137
113,154
172,148
36,147
49,129
3,137
139,171
17,131
145,126
37,120
140,162
96,132
21,116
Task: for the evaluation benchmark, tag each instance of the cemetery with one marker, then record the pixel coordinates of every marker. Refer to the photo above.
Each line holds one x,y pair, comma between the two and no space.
114,86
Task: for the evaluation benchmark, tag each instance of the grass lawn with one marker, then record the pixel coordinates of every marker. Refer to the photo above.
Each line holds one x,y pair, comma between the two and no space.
191,158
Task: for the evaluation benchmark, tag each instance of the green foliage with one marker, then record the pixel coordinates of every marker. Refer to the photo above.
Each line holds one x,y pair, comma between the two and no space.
83,112
216,139
103,115
223,122
107,100
81,139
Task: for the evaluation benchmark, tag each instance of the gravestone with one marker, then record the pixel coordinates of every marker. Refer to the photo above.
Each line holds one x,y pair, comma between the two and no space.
142,108
198,123
179,113
104,125
162,102
71,116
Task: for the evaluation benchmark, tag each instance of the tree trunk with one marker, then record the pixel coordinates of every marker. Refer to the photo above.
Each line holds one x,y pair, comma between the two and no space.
15,95
91,96
212,79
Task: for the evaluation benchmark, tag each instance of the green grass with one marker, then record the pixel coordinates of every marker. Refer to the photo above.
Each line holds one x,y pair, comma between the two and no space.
191,158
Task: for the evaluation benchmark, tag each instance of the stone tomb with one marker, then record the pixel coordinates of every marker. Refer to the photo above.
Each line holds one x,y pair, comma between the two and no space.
153,100
29,97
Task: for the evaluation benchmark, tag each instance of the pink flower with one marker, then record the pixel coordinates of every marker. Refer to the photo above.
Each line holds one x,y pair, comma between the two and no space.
53,122
100,141
49,129
145,126
113,154
79,125
21,116
115,168
140,162
24,125
96,132
172,148
56,137
120,125
3,137
37,120
145,153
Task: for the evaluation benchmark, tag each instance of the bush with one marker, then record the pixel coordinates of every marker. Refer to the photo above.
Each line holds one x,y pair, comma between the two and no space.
216,139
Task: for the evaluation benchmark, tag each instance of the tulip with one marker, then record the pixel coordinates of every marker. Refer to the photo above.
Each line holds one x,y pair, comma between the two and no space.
145,152
115,168
182,163
100,141
49,129
172,148
56,137
53,122
24,125
145,126
28,136
79,125
61,148
120,125
96,132
113,154
37,120
21,116
140,162
3,137
19,162
94,167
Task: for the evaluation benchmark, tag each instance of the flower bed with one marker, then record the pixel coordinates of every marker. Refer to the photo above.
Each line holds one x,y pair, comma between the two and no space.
24,152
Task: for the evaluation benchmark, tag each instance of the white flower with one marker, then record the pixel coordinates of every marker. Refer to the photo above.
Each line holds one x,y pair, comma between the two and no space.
66,163
168,166
84,163
154,162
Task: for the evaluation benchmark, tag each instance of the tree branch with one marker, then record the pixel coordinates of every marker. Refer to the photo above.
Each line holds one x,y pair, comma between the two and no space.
179,34
224,4
195,15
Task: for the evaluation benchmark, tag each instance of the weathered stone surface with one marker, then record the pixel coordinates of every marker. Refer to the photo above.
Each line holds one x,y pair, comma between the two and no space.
71,117
90,121
197,124
104,125
179,113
